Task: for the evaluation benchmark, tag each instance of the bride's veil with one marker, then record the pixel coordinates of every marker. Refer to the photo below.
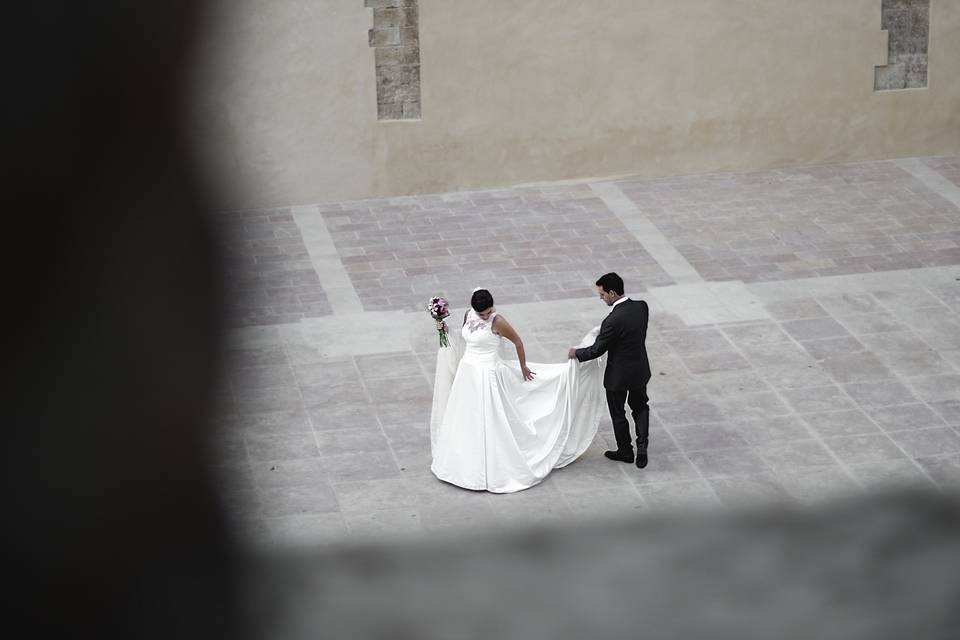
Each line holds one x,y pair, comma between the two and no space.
448,359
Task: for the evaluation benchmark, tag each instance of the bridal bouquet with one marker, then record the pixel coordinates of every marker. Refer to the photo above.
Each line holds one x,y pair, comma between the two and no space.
438,311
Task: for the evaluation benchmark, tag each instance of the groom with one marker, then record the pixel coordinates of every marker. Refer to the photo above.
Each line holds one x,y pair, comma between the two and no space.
622,335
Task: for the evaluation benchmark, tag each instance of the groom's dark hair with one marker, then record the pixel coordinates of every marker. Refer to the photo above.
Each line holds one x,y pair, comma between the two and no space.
611,282
481,300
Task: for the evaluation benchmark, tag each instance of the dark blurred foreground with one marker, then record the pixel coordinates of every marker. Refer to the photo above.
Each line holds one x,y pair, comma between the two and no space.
112,527
881,567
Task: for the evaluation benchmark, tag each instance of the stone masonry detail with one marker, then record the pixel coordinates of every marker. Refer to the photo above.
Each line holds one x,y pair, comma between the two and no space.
908,25
396,41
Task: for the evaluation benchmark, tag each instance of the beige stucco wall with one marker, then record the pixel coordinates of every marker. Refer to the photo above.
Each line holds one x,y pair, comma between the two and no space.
519,91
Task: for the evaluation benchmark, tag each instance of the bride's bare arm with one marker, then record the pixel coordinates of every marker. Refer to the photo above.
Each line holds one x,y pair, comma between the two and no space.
503,328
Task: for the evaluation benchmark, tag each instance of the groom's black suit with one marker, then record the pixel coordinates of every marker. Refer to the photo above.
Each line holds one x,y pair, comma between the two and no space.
622,336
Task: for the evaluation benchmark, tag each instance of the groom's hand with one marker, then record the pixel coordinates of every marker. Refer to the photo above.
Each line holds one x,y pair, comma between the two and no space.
572,353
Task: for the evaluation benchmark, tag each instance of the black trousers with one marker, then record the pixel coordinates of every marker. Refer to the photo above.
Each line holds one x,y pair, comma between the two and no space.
637,399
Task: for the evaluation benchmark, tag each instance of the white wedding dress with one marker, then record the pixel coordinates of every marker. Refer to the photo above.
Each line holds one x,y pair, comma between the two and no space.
491,430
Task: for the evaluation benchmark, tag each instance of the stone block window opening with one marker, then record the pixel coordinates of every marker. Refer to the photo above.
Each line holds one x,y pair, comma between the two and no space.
395,37
907,23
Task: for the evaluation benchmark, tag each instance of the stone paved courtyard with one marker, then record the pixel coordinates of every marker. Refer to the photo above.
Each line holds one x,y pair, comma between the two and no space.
804,340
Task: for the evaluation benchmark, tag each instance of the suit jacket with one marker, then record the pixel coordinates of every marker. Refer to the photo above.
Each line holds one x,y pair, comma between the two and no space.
623,335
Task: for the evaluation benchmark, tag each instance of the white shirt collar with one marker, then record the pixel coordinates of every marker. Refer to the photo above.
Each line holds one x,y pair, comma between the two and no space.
623,299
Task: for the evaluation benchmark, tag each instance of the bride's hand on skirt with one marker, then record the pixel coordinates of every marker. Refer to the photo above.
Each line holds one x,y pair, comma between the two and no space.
527,374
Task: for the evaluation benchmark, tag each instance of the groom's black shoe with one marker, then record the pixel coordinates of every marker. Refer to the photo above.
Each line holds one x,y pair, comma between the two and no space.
641,453
620,456
641,459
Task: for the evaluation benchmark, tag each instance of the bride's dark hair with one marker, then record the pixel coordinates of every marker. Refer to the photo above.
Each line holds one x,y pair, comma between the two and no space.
481,300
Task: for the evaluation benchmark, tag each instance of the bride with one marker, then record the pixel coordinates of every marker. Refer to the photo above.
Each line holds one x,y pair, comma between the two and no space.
498,426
